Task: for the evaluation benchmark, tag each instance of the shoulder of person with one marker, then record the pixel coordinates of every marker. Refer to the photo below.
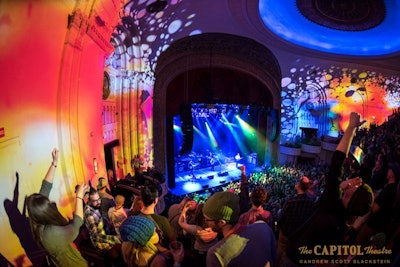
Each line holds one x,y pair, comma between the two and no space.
258,225
161,259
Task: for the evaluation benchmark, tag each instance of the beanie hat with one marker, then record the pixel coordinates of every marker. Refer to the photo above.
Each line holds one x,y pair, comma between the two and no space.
361,201
137,229
223,206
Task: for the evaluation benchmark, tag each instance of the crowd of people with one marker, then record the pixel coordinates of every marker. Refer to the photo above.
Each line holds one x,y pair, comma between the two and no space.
346,213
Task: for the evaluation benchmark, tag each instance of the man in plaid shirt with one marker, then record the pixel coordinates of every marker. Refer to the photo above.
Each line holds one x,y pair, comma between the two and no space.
95,224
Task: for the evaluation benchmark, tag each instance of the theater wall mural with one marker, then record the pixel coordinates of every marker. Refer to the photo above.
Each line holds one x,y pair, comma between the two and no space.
322,98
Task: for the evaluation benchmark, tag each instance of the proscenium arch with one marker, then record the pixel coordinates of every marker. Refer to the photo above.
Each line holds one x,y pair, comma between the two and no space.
214,50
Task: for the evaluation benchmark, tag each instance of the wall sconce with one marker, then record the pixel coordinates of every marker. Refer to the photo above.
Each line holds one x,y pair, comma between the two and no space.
95,165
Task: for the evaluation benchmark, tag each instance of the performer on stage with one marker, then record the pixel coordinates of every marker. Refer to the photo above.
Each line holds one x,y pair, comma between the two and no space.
238,159
192,165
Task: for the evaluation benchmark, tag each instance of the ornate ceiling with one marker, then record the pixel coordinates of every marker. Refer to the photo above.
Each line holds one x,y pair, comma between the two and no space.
345,27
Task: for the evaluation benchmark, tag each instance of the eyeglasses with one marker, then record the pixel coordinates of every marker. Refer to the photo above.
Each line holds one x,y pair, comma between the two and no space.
95,200
211,220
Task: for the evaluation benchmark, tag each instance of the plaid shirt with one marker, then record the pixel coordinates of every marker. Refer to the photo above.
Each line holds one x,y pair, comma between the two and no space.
255,214
295,212
95,225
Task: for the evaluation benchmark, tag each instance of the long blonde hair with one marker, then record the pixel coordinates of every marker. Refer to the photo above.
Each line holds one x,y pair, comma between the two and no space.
136,255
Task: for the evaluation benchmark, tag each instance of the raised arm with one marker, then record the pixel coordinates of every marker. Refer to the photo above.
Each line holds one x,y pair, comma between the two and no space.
345,143
80,194
50,172
332,190
189,228
47,182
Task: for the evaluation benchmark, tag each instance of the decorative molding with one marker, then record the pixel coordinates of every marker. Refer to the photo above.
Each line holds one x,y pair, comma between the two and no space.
218,50
100,33
94,27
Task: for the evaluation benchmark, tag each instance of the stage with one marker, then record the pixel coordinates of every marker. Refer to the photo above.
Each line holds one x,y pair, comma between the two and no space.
194,173
199,179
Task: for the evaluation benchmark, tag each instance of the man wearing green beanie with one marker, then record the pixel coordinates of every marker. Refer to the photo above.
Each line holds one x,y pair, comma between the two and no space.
250,245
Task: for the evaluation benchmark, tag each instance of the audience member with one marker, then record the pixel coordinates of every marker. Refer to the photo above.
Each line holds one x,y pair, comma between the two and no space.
110,245
140,246
118,213
378,177
174,213
51,230
250,245
296,211
149,195
137,206
380,218
204,236
354,170
158,179
257,212
137,167
244,199
327,225
85,197
112,181
160,207
107,201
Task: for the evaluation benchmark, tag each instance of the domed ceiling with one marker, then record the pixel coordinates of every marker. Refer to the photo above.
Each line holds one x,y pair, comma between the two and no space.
348,27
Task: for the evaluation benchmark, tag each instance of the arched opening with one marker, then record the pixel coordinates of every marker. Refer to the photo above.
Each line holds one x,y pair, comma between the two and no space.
214,69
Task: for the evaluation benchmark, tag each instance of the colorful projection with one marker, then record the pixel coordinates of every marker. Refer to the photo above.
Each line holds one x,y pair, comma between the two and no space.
139,39
284,19
314,97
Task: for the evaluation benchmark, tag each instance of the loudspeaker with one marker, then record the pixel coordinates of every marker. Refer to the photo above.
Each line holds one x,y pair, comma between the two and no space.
187,129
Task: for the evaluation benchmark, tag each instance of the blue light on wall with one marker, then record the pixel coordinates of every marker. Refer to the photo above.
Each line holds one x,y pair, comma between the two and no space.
283,19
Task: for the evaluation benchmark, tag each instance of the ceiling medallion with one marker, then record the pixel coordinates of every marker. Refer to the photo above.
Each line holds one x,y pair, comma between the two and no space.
345,15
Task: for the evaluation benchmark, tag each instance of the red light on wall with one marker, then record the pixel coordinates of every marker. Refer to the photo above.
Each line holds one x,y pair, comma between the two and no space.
2,132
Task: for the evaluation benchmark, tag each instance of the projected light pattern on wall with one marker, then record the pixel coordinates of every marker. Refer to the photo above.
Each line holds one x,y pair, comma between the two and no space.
139,39
284,19
315,97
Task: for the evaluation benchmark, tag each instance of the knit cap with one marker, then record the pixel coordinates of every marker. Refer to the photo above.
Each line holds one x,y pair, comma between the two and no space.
137,229
223,206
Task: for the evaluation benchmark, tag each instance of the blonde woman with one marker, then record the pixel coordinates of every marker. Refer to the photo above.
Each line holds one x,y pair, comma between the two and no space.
140,245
